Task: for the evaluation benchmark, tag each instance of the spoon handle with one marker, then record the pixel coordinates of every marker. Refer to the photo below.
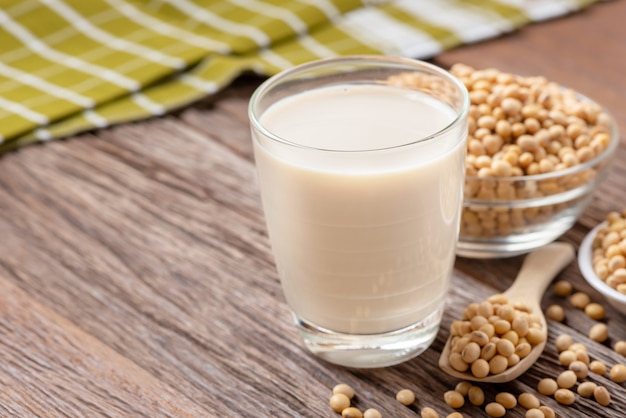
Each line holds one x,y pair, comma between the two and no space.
538,270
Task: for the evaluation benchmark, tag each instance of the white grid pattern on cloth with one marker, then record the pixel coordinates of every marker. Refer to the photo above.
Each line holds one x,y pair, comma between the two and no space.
391,36
141,18
93,117
469,23
39,47
218,22
23,111
327,7
45,86
146,103
199,84
287,16
539,10
92,31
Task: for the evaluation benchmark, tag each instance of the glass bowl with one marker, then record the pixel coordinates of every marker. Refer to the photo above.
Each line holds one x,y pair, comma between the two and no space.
508,216
615,298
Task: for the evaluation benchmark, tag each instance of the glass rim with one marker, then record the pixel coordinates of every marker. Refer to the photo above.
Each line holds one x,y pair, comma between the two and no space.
432,69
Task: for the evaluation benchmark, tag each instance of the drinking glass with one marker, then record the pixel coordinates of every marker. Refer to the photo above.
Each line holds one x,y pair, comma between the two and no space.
361,168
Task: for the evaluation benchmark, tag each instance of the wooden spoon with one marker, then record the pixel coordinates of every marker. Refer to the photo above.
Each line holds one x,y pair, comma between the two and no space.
538,270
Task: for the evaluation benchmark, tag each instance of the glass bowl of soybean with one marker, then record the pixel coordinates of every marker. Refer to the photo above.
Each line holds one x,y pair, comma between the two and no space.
536,152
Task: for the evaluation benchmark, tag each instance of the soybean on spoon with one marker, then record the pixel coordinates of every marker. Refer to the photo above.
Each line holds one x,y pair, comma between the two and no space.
538,270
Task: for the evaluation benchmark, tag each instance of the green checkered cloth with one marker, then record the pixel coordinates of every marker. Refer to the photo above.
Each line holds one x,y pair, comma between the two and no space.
68,66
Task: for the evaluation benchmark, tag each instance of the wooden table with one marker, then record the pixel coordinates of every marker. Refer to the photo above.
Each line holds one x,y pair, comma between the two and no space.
136,277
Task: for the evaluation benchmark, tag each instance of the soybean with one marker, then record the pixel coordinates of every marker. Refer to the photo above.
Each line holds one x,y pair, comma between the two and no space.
506,399
528,401
567,357
498,364
579,368
563,288
405,397
547,411
599,332
429,413
457,363
580,300
344,389
565,396
476,396
339,402
597,367
582,356
463,387
351,413
620,347
555,313
454,399
374,413
602,396
480,368
534,413
563,342
523,349
595,311
505,347
470,353
495,410
567,379
618,373
586,389
547,386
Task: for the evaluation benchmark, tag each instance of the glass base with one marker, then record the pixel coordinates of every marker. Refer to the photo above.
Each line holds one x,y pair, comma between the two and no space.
366,351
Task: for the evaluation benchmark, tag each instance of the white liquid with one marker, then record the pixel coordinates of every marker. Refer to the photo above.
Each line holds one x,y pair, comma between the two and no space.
364,242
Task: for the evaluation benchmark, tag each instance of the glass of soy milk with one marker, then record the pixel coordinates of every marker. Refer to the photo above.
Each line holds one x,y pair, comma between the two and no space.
361,163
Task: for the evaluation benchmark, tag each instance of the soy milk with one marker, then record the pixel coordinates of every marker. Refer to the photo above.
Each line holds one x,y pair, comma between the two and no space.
364,240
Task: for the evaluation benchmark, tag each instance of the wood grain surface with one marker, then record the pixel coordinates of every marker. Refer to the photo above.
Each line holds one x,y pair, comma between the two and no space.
136,277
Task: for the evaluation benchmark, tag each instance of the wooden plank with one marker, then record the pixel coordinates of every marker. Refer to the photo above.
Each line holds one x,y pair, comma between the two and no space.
50,368
164,276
